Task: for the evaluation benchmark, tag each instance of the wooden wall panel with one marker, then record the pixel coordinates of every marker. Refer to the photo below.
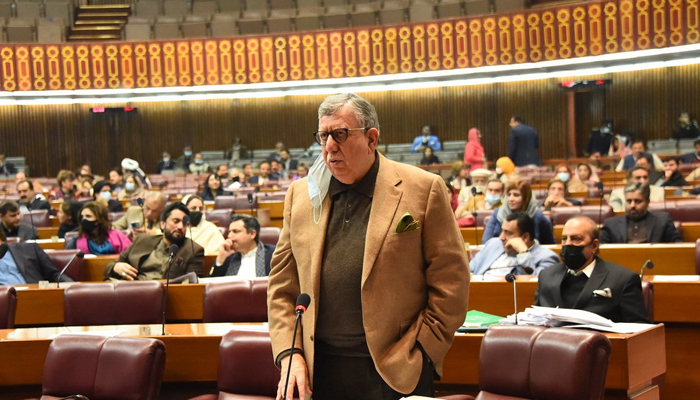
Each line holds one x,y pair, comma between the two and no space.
57,136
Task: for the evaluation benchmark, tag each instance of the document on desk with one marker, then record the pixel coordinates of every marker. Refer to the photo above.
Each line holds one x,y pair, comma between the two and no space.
618,327
550,316
676,278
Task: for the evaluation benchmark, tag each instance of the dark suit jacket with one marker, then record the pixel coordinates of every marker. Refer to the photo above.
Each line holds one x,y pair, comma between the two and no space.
34,264
39,204
254,180
170,165
660,229
185,260
221,270
522,146
625,305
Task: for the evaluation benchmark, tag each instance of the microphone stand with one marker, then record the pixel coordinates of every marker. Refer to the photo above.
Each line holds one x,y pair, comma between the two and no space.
511,278
171,253
79,254
299,311
600,206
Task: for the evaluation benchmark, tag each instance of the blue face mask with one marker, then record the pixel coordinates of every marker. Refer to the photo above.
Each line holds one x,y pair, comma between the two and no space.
129,186
492,199
188,153
319,179
106,195
563,176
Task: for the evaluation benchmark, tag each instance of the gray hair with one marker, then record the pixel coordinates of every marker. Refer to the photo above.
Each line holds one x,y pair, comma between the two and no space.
364,111
643,188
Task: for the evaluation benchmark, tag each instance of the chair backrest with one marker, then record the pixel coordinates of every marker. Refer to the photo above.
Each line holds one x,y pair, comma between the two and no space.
8,305
220,217
114,304
236,202
40,218
107,368
246,365
236,301
697,257
648,294
60,258
516,363
481,217
270,235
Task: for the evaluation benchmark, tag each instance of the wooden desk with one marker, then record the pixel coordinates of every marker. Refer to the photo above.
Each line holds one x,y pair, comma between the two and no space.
668,258
47,233
192,351
93,267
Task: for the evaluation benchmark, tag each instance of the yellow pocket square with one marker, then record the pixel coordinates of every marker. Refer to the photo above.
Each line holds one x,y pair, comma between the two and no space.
406,223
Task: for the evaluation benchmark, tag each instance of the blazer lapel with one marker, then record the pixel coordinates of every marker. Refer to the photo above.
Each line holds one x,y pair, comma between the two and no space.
385,202
558,279
623,229
593,283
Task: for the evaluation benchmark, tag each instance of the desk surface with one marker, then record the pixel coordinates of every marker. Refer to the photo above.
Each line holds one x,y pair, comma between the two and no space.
192,351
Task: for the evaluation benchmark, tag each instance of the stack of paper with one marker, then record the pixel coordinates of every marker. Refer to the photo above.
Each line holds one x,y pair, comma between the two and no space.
571,318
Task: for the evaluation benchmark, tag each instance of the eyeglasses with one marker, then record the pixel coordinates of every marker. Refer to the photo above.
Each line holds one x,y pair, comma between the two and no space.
340,135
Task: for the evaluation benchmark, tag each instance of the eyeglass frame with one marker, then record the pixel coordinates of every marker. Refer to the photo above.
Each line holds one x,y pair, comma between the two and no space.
332,134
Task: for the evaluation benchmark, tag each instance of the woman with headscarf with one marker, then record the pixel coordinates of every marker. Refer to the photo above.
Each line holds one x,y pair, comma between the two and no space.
132,188
586,174
201,231
505,171
519,198
474,151
619,148
573,184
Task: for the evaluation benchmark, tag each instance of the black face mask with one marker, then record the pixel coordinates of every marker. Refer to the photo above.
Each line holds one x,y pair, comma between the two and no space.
195,217
573,256
88,226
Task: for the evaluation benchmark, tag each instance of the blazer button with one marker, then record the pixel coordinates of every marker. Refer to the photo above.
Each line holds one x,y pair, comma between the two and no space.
311,337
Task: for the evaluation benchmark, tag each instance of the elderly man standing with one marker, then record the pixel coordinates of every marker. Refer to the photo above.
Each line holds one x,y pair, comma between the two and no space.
375,245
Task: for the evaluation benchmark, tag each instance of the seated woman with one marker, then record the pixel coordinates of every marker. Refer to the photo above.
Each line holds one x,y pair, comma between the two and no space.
572,183
66,186
95,235
556,196
428,157
103,193
201,231
68,216
519,198
212,188
302,172
586,174
133,189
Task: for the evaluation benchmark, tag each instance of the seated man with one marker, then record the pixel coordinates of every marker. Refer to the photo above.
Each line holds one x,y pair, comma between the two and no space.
636,175
147,258
264,176
134,218
480,181
630,161
672,176
11,222
638,225
654,176
243,254
556,196
426,139
515,251
571,284
29,200
27,263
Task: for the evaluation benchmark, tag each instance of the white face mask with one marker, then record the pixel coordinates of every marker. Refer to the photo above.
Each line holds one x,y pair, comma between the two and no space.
319,179
106,195
130,186
563,176
166,159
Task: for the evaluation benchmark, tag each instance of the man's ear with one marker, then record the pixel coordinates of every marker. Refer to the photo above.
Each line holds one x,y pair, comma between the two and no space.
162,226
373,138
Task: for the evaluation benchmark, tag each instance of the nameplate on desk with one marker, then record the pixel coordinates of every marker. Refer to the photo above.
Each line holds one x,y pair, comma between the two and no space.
676,278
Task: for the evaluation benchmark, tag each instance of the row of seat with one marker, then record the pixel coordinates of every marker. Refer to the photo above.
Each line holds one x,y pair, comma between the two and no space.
51,9
28,30
123,367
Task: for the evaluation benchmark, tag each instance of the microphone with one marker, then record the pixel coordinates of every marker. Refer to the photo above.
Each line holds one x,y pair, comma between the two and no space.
31,219
647,265
600,206
510,278
79,254
188,223
171,253
139,201
476,230
303,302
251,198
3,250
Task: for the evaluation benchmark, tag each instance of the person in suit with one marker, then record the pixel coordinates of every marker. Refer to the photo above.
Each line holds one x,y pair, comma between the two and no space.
237,152
636,175
630,160
519,198
6,168
165,164
638,225
287,163
28,200
352,228
26,263
523,143
242,254
143,220
672,176
426,139
11,222
515,251
264,175
147,258
571,283
687,128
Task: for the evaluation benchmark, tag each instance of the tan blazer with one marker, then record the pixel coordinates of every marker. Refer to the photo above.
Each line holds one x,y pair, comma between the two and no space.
415,284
